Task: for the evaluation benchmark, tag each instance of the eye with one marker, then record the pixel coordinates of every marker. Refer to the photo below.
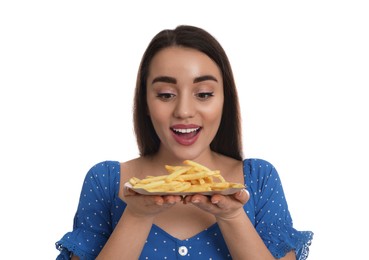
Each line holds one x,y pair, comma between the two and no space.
205,95
165,96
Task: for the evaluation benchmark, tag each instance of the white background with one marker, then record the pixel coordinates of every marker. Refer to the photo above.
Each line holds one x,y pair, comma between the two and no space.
67,74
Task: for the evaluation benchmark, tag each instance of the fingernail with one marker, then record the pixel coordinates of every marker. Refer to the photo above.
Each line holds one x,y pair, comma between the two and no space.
248,193
241,192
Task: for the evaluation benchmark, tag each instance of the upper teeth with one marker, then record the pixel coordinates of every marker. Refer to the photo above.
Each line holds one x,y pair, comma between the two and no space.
186,131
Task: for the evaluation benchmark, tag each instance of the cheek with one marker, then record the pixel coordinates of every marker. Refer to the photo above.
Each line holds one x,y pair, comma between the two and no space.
217,117
158,113
214,112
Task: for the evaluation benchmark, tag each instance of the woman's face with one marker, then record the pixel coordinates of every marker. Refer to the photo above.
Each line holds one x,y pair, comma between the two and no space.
185,101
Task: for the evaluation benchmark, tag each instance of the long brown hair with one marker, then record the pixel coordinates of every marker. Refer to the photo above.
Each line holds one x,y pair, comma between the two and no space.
227,141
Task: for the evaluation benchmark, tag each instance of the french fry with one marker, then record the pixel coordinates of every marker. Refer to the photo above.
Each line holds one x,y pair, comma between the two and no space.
193,176
149,185
176,173
219,186
237,185
172,187
199,188
195,164
190,177
134,180
171,169
153,179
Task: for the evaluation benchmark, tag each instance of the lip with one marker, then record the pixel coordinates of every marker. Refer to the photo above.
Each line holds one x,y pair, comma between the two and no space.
186,139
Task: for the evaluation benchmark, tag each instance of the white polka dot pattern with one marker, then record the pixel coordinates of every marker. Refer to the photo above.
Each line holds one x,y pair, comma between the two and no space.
100,208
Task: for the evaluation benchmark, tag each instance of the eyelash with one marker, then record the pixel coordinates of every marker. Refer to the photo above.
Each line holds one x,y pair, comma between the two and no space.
165,96
169,96
205,95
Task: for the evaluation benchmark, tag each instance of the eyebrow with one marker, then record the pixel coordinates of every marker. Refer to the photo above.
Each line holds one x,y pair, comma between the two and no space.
164,79
204,78
172,80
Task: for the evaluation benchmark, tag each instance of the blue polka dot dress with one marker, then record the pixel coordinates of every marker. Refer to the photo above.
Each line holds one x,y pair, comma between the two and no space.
100,208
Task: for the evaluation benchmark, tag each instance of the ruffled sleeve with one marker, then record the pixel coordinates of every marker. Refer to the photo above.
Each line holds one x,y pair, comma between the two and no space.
92,221
273,221
281,238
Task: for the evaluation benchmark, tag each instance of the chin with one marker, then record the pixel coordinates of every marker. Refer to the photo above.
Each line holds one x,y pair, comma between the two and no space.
187,154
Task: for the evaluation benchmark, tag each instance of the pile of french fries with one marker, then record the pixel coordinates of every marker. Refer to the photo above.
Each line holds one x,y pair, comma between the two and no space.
190,177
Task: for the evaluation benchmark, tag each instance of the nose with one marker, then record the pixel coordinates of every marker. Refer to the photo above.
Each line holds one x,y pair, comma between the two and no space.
185,107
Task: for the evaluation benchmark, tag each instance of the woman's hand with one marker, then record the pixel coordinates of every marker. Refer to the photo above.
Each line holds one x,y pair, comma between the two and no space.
148,206
221,206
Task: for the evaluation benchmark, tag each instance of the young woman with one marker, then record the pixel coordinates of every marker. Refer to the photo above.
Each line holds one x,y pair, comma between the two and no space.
185,107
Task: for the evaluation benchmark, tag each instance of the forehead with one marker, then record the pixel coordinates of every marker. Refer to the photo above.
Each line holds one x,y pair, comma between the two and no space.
181,59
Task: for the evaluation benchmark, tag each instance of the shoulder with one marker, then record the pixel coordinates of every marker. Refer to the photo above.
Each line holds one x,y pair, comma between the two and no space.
102,180
105,167
257,165
133,163
104,171
134,168
260,175
259,170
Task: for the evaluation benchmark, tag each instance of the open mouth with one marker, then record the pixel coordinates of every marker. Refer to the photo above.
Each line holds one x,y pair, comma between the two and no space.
186,132
186,136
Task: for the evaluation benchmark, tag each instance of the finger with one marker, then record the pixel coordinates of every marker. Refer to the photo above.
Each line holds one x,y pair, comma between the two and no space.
204,203
187,199
128,191
197,199
220,201
215,199
158,200
242,196
172,199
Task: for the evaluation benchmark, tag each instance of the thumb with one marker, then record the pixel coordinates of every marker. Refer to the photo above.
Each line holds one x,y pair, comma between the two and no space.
243,196
127,191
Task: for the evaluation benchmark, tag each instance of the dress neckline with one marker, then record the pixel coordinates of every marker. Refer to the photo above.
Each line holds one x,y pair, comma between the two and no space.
155,228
